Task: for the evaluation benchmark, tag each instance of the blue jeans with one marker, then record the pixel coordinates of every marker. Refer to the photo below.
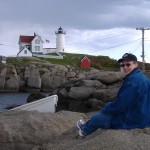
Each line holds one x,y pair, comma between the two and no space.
98,120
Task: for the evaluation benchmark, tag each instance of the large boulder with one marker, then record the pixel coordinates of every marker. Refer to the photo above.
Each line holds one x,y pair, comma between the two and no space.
31,70
135,139
9,79
80,75
3,70
59,70
21,130
34,82
57,81
35,96
107,77
81,92
105,94
12,84
70,74
2,83
46,81
32,77
91,83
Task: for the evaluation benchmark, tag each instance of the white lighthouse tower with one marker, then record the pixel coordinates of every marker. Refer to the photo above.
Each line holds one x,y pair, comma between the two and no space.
60,40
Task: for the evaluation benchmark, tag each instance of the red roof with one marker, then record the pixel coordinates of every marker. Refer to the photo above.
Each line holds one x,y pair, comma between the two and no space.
85,59
26,39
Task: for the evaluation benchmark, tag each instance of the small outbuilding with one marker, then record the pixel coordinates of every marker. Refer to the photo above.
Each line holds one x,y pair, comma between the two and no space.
24,52
85,63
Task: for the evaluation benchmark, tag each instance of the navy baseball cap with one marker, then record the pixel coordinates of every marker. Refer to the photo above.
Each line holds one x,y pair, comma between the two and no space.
127,57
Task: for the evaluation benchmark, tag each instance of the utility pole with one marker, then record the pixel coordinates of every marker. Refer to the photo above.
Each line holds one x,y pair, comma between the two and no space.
143,53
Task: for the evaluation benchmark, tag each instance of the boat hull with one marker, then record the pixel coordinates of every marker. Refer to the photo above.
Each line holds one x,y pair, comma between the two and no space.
47,104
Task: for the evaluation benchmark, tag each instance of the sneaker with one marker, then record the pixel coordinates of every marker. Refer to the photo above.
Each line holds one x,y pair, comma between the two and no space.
80,127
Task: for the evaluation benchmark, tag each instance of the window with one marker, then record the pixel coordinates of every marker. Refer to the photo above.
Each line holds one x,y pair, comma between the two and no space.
37,48
37,41
25,51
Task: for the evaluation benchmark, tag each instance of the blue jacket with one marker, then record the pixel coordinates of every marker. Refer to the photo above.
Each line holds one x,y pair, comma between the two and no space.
131,108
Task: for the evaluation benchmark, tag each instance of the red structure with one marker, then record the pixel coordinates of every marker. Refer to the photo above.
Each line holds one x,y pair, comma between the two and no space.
85,63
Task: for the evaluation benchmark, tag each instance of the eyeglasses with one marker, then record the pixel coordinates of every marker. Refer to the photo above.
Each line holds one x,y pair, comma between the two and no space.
123,65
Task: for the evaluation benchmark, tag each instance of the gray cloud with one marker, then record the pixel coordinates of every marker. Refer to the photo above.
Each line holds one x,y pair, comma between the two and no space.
85,21
85,14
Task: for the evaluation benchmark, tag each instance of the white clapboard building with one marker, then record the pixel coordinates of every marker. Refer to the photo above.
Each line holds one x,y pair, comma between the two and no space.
33,45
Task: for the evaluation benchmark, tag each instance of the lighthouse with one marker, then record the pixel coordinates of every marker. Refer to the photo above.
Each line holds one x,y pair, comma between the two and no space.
60,40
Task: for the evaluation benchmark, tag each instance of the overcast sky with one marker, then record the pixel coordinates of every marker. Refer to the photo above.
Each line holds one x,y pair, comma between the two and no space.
95,27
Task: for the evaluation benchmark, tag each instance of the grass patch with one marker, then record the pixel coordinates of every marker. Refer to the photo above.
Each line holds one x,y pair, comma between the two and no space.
97,62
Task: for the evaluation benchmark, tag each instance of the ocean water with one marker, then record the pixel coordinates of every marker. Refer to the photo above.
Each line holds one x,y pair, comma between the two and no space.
13,99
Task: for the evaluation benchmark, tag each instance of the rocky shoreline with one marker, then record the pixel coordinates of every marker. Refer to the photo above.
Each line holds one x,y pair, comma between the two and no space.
21,130
76,90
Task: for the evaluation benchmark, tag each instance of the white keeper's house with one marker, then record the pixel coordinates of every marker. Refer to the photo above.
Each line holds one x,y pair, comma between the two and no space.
33,45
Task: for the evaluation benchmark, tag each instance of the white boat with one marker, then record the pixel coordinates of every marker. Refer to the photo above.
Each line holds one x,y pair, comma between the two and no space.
47,104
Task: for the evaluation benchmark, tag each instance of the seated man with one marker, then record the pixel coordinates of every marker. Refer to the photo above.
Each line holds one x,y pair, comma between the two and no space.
130,109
